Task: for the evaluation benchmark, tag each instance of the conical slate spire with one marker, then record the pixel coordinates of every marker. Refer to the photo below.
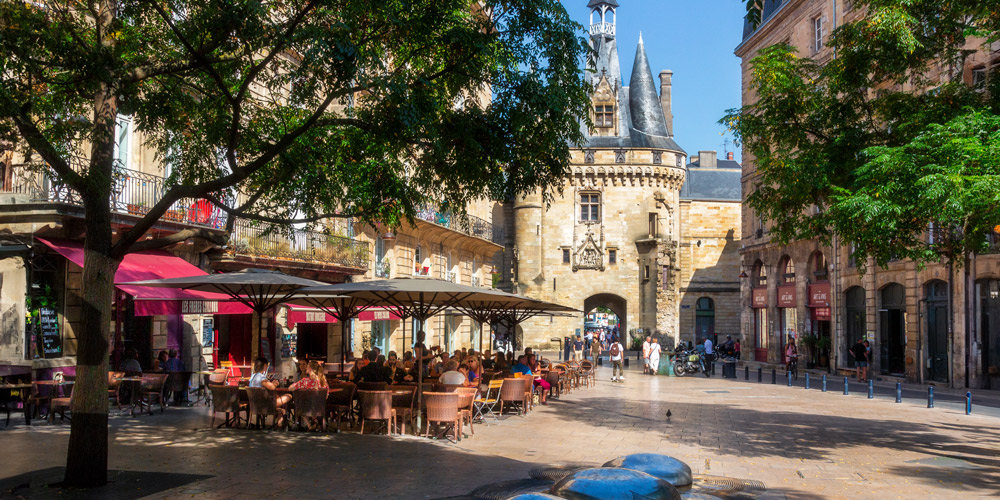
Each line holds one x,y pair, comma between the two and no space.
644,103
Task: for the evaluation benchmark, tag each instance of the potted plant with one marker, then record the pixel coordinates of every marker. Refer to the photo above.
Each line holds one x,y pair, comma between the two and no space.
823,346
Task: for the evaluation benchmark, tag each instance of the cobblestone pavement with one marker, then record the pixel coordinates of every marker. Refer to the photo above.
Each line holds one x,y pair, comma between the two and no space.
801,444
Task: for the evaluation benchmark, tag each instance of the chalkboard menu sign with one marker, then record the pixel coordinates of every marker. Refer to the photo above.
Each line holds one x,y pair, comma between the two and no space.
48,328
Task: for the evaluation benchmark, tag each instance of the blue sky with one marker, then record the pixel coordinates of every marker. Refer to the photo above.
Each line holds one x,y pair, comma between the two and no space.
695,40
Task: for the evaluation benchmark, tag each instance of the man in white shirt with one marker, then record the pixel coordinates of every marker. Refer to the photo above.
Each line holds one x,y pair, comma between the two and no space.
617,354
709,355
452,376
645,356
654,357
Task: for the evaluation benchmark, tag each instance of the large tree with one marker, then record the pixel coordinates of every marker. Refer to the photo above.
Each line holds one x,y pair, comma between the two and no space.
281,110
892,144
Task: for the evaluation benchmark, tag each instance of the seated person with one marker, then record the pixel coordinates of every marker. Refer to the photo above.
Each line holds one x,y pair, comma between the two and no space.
452,376
373,371
487,360
440,367
159,362
174,364
259,378
522,367
131,365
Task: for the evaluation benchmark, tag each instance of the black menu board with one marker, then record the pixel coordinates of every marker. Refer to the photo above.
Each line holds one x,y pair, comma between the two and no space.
48,325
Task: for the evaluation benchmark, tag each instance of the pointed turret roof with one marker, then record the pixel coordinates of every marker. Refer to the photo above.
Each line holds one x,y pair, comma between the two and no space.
644,103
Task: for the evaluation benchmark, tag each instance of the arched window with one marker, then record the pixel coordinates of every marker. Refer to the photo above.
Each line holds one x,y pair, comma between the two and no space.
705,304
418,260
704,320
787,267
759,275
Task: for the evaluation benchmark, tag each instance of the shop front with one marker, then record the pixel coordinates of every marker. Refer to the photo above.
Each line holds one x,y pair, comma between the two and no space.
819,321
787,318
760,326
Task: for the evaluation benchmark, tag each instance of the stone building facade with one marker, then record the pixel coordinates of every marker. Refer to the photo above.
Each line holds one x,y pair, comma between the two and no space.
620,234
913,317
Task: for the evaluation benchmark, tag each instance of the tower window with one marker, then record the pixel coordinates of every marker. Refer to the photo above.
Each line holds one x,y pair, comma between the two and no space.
565,256
604,116
590,207
612,256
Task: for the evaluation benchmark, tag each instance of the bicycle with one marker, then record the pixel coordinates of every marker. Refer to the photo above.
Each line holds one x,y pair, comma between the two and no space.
792,366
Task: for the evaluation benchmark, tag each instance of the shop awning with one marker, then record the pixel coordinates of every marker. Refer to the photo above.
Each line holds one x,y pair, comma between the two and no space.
305,314
151,265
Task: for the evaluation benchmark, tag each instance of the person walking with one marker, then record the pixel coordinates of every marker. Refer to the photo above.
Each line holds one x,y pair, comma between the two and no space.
595,350
869,357
860,355
617,355
578,349
654,356
645,356
709,355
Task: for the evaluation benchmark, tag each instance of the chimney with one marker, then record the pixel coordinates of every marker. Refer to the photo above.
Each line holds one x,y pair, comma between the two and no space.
693,159
707,159
666,101
729,156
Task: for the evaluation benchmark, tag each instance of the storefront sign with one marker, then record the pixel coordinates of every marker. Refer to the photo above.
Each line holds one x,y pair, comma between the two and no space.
380,315
786,296
819,296
199,307
48,324
821,313
759,298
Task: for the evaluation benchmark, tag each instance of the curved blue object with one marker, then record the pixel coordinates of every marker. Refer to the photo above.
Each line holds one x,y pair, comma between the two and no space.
613,484
534,496
663,467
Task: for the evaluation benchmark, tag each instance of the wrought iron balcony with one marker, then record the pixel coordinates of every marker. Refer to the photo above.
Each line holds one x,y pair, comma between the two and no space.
133,193
467,224
264,240
382,269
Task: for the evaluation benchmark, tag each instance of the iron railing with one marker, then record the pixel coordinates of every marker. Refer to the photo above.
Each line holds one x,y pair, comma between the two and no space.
269,241
133,193
381,269
463,223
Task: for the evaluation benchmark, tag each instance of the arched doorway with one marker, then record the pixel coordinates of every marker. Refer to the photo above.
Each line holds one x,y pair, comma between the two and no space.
854,320
890,350
759,304
787,317
704,320
818,271
612,305
936,295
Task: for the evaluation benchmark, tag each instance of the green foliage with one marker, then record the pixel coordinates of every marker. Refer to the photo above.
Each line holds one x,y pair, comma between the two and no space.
307,108
868,146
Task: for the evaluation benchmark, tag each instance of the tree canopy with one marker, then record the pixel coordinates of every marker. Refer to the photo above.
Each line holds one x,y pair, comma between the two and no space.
894,135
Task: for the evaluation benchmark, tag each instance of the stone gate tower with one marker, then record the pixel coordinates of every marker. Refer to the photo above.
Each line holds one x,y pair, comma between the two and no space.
611,239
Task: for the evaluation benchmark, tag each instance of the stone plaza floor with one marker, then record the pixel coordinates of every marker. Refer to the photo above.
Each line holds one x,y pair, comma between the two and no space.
799,443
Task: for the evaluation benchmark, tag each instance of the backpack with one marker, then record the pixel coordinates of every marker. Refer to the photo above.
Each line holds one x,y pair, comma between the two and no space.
615,349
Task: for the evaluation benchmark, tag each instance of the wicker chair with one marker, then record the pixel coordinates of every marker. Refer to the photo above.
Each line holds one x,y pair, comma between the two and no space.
377,405
372,386
587,373
226,399
61,404
447,387
263,403
41,394
152,387
552,377
310,403
442,408
403,405
565,379
512,394
114,387
177,385
340,404
466,397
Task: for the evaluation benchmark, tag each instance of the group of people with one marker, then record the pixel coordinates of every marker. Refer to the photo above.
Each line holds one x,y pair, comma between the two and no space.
651,355
462,367
861,353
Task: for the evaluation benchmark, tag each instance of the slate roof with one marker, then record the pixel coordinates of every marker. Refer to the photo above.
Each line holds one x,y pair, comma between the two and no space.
770,8
720,183
595,3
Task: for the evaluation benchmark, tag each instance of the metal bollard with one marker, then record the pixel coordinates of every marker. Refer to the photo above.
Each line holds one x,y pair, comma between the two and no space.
824,382
930,397
899,392
789,374
760,374
846,392
807,380
774,376
871,389
968,403
746,373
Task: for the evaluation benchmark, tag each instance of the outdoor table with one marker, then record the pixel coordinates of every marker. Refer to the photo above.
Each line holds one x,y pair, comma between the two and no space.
23,391
55,384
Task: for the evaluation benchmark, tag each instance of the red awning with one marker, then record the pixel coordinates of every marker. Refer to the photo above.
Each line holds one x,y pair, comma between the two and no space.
305,314
153,265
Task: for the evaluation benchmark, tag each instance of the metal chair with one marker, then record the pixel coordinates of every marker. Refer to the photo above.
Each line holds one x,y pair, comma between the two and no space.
340,404
310,403
588,373
442,408
263,403
226,399
61,404
177,385
486,404
377,405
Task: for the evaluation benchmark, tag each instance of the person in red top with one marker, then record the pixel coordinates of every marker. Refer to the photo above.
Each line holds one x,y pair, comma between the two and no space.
313,378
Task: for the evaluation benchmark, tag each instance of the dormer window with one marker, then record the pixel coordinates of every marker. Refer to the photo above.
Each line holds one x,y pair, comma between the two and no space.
604,116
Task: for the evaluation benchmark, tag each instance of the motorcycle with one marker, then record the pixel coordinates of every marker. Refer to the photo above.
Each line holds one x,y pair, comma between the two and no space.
686,362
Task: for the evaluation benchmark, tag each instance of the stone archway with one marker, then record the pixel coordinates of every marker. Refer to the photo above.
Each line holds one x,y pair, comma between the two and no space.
618,305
